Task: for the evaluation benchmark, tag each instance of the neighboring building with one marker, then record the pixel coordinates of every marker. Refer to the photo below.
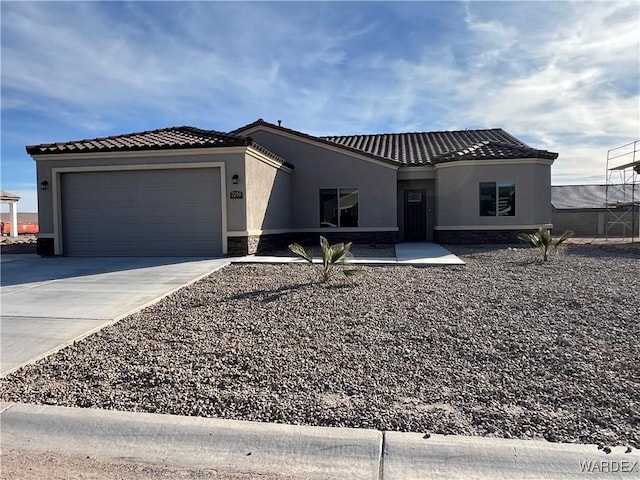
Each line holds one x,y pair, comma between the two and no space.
592,211
186,191
12,200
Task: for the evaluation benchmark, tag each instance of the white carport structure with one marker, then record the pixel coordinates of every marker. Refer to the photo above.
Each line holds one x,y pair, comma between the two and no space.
12,200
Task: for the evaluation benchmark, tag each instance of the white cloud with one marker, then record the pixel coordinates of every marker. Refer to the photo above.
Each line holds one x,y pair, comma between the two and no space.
572,89
562,75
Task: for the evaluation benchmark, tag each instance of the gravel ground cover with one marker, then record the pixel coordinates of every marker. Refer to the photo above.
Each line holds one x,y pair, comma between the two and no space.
20,244
506,345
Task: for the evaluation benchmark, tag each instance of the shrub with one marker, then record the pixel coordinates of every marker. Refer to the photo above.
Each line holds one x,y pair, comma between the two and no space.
332,256
543,240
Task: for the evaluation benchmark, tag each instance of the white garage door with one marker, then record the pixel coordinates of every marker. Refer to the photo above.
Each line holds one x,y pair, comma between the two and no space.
171,212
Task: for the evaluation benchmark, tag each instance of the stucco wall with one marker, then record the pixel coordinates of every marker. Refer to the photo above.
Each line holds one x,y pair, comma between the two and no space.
457,191
233,161
317,167
268,196
594,222
584,223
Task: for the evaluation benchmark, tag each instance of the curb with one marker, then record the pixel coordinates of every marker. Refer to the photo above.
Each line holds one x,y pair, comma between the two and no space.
311,452
232,445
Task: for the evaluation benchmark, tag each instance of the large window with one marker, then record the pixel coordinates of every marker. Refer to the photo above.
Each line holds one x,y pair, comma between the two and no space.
339,207
500,194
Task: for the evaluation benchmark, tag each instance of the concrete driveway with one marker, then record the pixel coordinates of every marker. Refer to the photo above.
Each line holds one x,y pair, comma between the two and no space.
48,303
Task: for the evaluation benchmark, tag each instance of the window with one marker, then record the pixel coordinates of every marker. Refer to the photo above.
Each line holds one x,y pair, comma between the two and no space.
414,197
504,193
339,207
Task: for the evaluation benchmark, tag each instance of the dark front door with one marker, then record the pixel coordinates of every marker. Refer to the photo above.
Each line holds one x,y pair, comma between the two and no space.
415,215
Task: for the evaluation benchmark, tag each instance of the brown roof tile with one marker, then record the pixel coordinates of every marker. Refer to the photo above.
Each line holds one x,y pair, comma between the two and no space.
161,139
402,149
165,138
426,148
487,150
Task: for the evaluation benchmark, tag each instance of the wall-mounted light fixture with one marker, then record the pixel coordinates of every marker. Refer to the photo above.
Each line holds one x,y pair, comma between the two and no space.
234,179
43,185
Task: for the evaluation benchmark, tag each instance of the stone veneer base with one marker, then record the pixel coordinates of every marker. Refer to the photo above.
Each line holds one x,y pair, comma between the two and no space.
256,244
263,244
475,237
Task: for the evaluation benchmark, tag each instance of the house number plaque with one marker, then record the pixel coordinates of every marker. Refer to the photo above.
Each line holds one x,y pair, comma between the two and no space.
235,194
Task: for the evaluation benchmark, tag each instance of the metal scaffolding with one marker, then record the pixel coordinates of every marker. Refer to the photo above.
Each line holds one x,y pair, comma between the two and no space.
623,191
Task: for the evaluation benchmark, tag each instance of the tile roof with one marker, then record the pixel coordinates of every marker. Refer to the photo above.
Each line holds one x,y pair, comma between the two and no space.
162,139
165,138
400,149
494,150
172,137
426,148
569,197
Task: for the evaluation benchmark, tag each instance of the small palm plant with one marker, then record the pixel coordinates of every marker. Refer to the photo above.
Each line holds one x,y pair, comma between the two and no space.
543,240
332,256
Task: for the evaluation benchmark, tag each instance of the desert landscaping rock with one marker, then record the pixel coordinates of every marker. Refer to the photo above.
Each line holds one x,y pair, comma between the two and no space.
505,346
20,244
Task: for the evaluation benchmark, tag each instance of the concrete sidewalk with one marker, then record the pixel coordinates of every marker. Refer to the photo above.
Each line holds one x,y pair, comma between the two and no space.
416,254
48,303
308,452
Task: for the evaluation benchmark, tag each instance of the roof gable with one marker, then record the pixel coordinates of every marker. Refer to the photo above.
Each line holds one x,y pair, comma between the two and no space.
305,136
425,148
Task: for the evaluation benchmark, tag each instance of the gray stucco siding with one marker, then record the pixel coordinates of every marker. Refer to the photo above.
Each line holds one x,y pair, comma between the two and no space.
318,167
225,161
582,222
457,191
268,196
592,222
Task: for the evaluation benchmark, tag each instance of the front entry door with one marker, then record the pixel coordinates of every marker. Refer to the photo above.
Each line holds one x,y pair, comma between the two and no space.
415,215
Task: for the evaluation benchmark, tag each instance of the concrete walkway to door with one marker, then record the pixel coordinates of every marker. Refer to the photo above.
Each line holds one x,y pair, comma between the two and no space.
425,253
48,303
419,254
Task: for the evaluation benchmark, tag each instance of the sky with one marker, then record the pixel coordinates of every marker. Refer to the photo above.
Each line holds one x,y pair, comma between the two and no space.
561,76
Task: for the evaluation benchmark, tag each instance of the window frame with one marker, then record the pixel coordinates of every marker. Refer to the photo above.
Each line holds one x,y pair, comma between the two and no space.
498,192
339,194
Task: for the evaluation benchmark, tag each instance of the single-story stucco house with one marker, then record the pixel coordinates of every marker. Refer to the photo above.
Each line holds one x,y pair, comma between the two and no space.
186,191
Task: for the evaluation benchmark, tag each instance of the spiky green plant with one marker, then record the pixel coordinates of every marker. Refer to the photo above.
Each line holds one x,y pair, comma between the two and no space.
543,240
333,256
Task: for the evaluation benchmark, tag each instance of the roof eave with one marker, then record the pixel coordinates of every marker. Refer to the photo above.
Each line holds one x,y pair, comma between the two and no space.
539,154
43,150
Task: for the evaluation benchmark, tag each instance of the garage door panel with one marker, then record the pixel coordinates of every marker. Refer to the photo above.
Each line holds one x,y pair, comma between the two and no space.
142,213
